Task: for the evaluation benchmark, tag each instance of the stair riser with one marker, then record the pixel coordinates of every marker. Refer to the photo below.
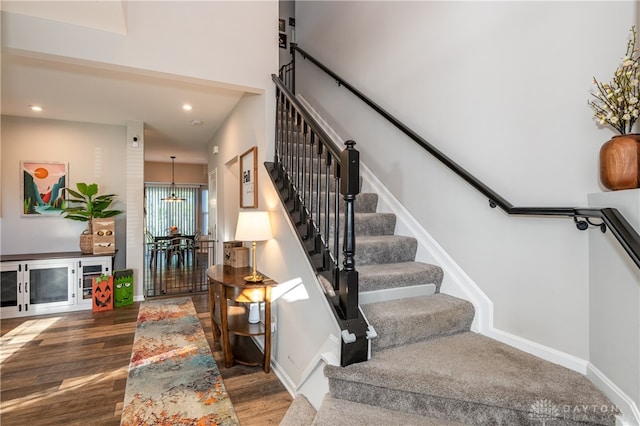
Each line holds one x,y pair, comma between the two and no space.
465,412
395,250
415,275
441,315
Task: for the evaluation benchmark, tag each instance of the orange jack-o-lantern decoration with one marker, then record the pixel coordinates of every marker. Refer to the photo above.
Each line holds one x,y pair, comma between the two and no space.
102,293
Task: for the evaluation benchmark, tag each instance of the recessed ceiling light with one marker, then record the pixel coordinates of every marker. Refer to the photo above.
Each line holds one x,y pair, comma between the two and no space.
35,108
187,107
197,122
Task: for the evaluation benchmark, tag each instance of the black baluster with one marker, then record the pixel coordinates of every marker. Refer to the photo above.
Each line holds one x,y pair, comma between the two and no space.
327,250
318,242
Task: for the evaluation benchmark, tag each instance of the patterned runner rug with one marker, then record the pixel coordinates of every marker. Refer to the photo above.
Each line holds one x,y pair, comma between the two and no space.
173,378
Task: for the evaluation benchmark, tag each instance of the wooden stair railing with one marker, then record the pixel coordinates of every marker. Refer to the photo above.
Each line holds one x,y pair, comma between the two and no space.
311,173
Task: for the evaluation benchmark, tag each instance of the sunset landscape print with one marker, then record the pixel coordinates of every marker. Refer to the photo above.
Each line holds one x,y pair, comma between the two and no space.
42,187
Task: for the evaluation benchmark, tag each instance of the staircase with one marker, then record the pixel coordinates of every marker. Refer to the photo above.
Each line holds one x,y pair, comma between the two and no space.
427,367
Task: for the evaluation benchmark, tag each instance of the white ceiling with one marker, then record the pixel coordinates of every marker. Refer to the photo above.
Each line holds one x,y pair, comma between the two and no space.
94,94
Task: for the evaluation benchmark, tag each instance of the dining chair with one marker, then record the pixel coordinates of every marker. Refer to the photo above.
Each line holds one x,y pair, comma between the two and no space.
191,248
176,248
154,248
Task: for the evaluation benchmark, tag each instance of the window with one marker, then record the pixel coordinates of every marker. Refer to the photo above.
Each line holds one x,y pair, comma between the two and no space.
205,211
162,215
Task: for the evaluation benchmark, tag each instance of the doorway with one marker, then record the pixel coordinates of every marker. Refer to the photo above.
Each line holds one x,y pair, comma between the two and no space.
179,249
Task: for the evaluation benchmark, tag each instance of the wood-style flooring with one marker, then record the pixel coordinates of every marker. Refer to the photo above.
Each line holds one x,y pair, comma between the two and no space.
71,369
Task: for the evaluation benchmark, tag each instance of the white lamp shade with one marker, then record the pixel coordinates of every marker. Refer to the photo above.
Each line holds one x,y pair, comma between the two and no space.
253,226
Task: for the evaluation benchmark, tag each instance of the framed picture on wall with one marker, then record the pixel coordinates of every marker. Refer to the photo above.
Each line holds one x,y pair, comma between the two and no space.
248,178
282,40
41,188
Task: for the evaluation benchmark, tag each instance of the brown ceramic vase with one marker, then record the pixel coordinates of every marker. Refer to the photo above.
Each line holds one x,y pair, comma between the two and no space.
620,162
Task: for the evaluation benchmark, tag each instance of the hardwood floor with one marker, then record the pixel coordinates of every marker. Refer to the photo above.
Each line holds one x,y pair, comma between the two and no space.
71,369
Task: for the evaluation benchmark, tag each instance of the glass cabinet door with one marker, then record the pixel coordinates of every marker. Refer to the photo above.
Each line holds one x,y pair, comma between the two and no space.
11,288
49,285
88,269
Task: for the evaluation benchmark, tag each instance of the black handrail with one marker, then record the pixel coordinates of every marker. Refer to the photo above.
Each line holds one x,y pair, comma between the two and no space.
611,218
313,124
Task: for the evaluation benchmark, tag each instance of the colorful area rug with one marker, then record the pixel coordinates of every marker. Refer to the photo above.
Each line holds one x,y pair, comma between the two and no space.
173,378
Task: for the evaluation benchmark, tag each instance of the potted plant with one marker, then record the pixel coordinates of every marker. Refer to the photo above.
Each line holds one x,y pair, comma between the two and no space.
617,104
88,206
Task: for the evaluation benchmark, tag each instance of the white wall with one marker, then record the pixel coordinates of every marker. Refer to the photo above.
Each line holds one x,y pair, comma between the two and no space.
224,41
304,322
90,150
244,128
615,299
287,9
501,87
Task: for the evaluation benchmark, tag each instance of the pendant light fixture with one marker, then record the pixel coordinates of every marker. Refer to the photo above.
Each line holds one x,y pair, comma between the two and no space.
173,197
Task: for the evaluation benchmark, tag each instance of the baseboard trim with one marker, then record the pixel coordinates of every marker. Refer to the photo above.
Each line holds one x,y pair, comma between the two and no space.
283,377
315,385
541,351
630,414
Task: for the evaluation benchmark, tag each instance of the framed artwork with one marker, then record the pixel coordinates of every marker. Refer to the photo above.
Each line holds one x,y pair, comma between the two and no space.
248,178
282,40
41,188
281,25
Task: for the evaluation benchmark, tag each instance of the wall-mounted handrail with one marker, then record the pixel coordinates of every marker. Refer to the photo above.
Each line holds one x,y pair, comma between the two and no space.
611,218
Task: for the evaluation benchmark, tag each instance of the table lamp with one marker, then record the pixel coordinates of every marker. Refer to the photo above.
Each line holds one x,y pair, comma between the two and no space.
253,226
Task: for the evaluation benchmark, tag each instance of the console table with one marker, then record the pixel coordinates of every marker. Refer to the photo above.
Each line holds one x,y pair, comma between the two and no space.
228,294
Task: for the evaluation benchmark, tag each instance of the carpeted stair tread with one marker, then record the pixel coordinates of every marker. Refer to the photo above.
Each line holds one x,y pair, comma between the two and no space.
299,413
372,249
348,413
406,321
393,275
470,378
366,223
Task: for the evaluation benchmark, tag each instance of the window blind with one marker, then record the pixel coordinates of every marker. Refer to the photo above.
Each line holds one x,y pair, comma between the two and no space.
162,215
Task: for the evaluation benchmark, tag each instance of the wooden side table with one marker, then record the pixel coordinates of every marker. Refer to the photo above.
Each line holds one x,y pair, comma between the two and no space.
227,288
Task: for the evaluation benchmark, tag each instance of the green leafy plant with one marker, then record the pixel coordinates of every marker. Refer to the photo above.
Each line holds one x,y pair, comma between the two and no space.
89,205
616,103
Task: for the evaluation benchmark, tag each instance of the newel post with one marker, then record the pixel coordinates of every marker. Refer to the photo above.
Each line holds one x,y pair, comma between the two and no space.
349,188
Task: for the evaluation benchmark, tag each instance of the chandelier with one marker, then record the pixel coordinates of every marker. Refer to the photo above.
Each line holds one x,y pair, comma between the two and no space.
173,197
